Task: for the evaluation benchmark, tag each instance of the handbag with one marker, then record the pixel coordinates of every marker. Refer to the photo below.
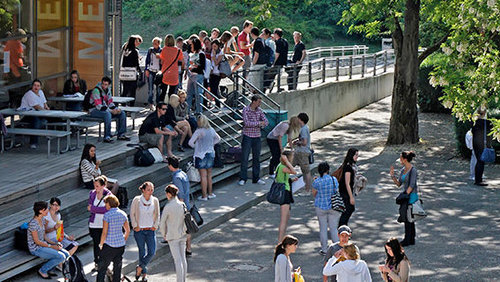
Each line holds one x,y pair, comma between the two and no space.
192,173
277,193
337,201
311,157
416,211
195,213
128,74
159,75
224,68
488,154
191,226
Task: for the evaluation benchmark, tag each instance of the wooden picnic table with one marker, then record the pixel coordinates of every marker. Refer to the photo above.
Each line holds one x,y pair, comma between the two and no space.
65,100
65,115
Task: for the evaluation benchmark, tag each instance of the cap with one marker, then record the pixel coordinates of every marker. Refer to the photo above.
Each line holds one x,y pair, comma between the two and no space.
344,228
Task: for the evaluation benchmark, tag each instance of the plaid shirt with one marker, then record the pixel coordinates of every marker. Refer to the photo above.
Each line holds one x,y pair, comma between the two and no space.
115,219
326,187
252,120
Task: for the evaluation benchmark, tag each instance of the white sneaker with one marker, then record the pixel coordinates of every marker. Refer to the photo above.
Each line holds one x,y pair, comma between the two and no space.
261,182
241,182
200,198
33,146
212,196
272,176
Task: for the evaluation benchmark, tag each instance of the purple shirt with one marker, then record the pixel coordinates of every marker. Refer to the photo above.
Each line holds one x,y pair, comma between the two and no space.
252,120
95,209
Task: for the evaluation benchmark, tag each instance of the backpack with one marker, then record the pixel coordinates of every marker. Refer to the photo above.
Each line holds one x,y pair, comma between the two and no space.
218,156
143,157
86,100
232,99
338,173
21,237
270,54
73,270
122,196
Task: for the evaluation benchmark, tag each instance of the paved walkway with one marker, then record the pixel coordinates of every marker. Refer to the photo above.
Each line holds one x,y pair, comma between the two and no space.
459,240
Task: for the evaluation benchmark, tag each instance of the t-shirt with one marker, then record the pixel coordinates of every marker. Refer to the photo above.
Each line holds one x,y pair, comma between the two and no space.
151,122
243,37
342,187
282,177
40,232
332,249
297,51
258,47
30,100
278,130
167,56
98,216
282,49
304,134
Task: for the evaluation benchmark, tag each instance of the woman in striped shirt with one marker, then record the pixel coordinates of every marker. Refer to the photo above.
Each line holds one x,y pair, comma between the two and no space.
90,168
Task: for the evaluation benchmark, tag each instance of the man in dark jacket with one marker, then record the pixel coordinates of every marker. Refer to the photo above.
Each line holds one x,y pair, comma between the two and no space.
480,138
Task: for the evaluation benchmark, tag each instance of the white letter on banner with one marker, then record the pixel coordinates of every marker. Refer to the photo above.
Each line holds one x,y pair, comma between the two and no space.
87,37
90,16
44,49
48,15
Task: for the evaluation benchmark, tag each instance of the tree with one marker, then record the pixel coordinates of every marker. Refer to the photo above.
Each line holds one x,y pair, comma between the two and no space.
401,20
470,75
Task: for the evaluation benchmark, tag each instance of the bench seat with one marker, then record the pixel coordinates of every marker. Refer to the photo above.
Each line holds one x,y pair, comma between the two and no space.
133,112
79,124
49,134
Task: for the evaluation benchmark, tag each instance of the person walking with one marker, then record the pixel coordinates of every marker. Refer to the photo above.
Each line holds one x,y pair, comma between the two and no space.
41,246
173,230
115,232
480,140
349,170
145,219
397,264
153,66
275,143
97,209
324,187
130,59
353,269
253,120
283,172
203,141
408,179
283,266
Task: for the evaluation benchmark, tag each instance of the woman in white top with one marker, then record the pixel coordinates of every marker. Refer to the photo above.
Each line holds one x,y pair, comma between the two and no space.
52,223
90,168
203,141
235,58
282,265
145,219
353,269
173,230
216,57
274,140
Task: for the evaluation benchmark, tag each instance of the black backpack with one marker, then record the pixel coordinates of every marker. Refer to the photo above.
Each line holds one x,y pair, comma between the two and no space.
73,270
143,157
218,162
21,238
122,196
86,100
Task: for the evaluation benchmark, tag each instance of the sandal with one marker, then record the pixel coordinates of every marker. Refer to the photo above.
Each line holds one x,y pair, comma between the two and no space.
138,273
43,277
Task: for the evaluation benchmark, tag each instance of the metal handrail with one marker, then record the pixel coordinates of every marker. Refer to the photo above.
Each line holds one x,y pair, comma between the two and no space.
262,94
220,128
219,100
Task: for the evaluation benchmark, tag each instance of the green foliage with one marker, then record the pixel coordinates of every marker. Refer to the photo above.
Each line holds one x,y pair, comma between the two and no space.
461,128
429,96
156,9
6,10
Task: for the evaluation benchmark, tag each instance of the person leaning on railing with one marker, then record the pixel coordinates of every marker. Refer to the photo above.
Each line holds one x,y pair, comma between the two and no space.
295,65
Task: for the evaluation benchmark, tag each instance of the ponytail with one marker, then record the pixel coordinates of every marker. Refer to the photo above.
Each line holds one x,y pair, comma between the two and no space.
281,247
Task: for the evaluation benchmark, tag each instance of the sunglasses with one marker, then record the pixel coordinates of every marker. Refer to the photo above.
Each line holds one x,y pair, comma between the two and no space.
163,109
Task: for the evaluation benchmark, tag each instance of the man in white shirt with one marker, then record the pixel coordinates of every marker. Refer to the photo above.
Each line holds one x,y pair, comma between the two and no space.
34,99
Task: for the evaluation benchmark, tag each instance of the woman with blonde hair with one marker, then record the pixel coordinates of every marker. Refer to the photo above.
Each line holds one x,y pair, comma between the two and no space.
145,219
182,126
170,56
275,137
353,269
203,141
182,111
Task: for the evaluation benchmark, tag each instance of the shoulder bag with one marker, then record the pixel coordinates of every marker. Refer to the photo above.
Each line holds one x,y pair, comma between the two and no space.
191,226
159,75
224,68
337,201
195,213
127,73
416,210
488,154
192,173
276,194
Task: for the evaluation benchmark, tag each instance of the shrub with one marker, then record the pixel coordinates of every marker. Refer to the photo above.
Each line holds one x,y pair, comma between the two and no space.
428,96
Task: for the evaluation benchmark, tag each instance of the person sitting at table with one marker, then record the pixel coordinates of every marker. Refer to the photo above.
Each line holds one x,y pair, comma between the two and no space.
74,85
34,99
103,107
153,130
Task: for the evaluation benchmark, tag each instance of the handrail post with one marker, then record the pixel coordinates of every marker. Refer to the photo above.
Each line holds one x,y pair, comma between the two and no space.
279,79
342,51
350,67
363,66
324,70
309,67
337,69
374,64
385,61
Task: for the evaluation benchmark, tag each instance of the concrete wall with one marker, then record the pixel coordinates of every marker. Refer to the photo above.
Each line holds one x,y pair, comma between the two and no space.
330,101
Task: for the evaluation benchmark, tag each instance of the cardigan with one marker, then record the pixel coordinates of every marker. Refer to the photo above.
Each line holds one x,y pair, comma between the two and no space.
400,274
172,226
134,212
94,209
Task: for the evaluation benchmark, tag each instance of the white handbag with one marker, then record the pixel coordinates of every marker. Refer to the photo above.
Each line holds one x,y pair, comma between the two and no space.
416,211
128,74
156,154
192,173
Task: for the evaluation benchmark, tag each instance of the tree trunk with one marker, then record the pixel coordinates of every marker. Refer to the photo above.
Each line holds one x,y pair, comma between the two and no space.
404,115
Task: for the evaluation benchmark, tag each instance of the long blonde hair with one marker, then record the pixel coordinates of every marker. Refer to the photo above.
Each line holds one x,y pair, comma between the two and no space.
294,126
203,122
174,100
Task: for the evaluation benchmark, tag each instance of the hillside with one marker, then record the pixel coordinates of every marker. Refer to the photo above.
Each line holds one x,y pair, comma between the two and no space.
151,18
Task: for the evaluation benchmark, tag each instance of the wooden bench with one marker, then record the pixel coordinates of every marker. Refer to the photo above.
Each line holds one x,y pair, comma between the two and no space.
49,134
100,121
79,124
133,112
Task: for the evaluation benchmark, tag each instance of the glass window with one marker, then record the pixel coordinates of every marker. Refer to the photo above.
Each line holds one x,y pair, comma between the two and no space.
51,53
15,63
52,14
14,15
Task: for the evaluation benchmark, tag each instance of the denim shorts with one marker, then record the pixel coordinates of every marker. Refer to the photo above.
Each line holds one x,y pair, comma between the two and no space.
206,162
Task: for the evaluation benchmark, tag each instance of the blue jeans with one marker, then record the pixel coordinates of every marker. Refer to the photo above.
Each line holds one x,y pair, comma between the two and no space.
106,116
145,238
152,86
36,123
248,144
55,257
193,89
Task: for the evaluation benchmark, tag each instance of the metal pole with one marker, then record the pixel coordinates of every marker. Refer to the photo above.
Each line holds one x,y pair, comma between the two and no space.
279,79
324,70
350,67
337,69
385,61
374,64
309,66
363,66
